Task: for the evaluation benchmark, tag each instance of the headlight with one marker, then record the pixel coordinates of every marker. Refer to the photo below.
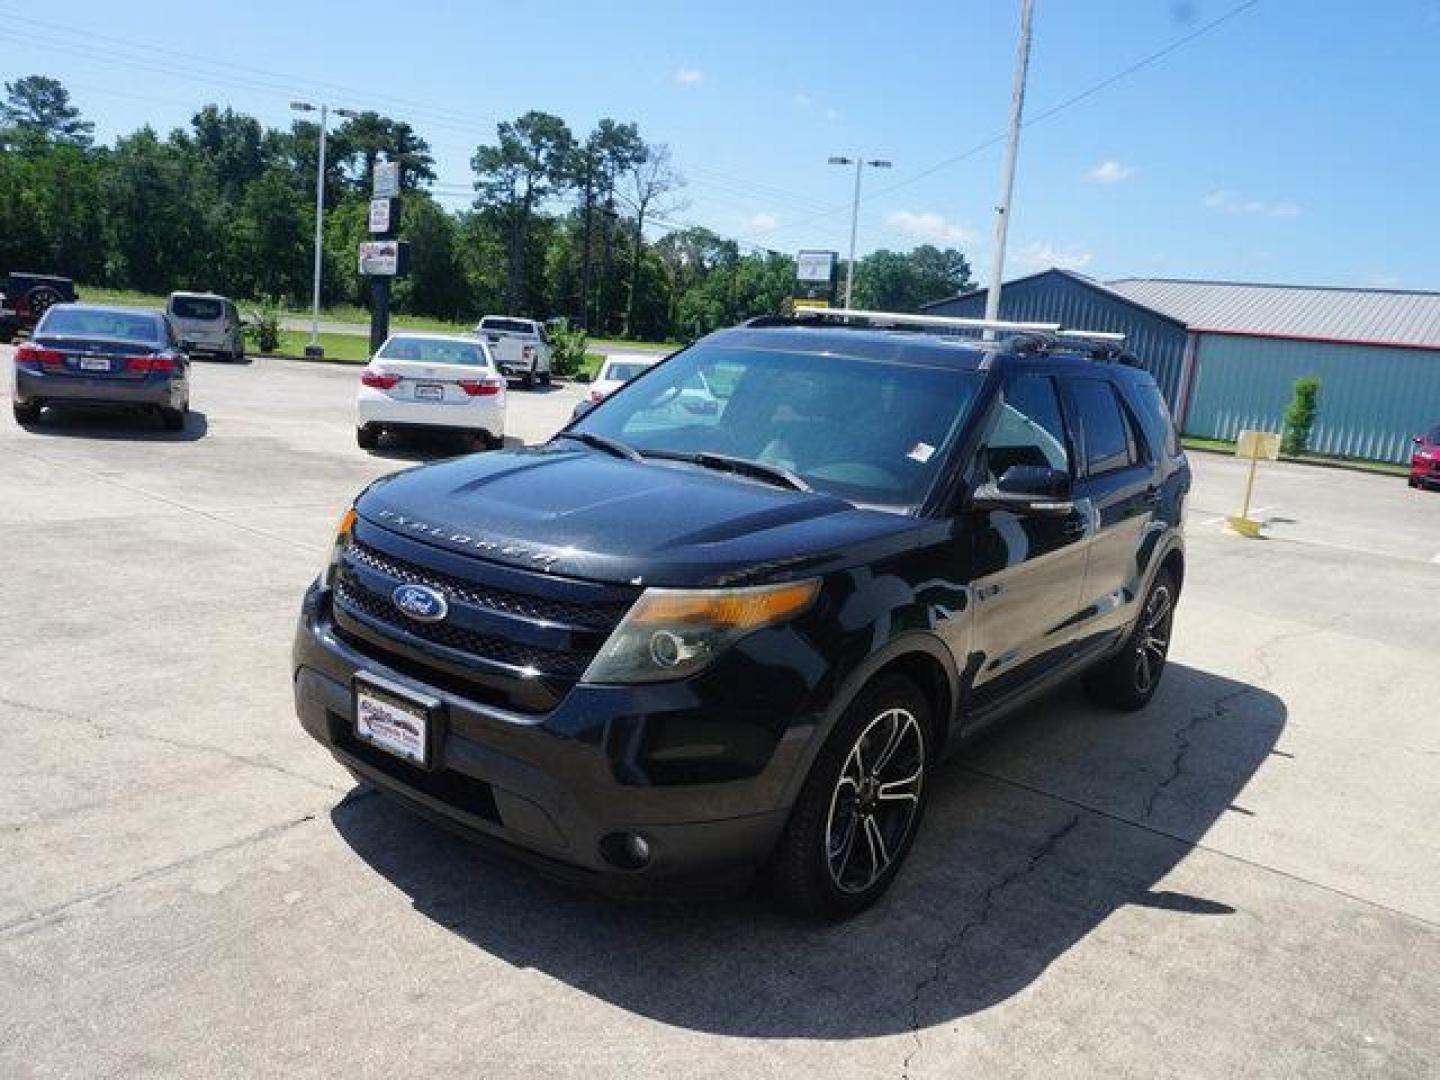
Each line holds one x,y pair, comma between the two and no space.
672,633
337,547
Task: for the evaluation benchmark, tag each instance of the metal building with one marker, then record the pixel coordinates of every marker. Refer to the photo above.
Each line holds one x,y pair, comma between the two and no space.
1227,354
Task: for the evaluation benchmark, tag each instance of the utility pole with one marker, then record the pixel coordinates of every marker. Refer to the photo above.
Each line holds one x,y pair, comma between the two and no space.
1007,173
314,349
859,162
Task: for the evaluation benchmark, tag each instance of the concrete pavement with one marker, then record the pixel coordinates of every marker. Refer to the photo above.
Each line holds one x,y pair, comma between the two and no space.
1242,880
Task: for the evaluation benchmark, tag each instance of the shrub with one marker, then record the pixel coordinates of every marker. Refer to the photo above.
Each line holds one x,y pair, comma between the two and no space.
567,348
263,324
1300,416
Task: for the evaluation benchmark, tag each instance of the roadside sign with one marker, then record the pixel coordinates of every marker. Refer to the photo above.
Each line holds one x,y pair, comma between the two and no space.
1253,445
386,184
1258,444
384,258
815,267
815,274
383,215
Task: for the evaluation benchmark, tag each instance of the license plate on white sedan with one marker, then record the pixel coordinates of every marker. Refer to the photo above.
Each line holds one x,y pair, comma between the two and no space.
393,722
428,391
94,363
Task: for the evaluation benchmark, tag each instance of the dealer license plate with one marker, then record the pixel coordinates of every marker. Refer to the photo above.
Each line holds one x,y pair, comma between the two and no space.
391,723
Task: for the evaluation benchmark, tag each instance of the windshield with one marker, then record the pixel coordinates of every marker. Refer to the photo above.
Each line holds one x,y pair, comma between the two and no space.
70,321
433,351
514,326
869,431
622,372
195,307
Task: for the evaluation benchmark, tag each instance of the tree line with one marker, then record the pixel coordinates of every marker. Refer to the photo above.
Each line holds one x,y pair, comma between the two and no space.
560,225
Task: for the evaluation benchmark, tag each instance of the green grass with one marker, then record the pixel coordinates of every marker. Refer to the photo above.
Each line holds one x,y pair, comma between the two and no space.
1227,446
346,347
357,316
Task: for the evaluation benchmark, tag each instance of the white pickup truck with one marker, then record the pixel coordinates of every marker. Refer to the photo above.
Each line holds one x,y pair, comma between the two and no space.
520,347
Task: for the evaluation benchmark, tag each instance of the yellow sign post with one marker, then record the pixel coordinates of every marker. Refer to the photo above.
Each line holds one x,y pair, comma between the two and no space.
1253,445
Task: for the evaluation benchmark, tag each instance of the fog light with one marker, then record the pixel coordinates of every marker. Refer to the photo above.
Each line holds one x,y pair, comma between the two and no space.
626,851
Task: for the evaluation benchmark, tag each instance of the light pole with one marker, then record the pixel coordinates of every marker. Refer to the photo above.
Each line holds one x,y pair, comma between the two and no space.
1007,173
859,163
324,111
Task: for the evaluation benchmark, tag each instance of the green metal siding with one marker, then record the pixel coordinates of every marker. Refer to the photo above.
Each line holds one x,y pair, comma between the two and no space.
1373,400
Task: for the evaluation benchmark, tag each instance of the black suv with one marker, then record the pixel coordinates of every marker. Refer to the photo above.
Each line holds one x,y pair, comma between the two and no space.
733,617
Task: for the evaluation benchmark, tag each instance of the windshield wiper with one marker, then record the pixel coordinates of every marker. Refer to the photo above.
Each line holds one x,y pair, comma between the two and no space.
602,442
759,470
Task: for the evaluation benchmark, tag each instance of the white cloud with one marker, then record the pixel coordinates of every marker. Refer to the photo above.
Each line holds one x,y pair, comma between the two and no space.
1038,256
689,76
761,222
1230,203
930,226
1110,172
832,115
803,100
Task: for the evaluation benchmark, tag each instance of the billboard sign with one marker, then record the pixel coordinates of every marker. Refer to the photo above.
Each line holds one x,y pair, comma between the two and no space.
384,258
386,184
383,216
815,267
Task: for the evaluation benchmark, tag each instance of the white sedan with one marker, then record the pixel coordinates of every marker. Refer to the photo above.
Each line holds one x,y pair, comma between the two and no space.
432,381
615,372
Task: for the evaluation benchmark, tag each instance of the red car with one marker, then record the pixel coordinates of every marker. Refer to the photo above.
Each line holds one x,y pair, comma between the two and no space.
1425,460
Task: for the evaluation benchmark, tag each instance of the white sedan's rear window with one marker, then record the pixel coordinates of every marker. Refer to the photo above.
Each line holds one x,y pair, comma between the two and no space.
433,351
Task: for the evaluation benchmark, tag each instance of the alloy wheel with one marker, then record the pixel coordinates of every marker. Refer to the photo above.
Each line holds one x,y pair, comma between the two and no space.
1153,640
875,801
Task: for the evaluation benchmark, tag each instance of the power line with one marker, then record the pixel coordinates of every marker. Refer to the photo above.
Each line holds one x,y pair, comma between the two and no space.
1040,117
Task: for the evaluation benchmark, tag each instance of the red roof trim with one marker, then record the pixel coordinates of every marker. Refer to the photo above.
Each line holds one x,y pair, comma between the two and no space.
1272,336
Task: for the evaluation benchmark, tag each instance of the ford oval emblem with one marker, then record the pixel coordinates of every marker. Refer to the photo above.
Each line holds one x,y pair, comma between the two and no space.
421,603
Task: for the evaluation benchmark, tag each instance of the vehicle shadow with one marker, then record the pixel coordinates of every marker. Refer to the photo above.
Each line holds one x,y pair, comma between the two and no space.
116,425
432,445
1033,837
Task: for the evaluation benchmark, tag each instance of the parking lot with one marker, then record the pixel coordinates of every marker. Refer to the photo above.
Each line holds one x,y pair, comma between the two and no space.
1241,880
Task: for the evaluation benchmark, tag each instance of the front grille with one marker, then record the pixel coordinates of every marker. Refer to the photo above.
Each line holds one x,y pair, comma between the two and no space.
564,665
545,609
515,638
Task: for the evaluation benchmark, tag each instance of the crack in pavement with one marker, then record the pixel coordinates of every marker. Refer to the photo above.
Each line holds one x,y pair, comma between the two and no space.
987,908
1220,708
45,915
105,731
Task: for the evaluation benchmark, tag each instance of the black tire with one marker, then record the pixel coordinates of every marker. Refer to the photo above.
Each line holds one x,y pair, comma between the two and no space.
7,334
527,381
26,412
828,864
545,378
367,436
1413,482
1129,679
174,419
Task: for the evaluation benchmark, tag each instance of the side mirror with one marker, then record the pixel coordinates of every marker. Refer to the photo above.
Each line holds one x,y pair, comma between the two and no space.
1026,489
1419,440
581,408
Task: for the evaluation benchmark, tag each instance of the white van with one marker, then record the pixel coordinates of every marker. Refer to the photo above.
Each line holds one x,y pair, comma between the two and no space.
206,323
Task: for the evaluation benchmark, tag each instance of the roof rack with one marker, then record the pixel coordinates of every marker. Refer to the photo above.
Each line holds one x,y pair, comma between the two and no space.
945,322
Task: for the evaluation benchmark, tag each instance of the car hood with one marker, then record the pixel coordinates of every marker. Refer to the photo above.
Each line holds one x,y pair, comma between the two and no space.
581,513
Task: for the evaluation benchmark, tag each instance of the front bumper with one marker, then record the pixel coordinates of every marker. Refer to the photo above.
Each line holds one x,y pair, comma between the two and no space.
153,391
544,786
1425,472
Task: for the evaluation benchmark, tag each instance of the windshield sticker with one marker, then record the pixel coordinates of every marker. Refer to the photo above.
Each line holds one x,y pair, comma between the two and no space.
921,452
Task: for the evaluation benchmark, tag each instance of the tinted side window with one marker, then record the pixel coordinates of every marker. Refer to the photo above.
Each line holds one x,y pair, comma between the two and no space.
1029,429
1156,419
1109,444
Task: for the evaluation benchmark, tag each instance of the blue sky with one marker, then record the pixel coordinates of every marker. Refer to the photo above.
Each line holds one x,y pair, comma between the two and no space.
1296,142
